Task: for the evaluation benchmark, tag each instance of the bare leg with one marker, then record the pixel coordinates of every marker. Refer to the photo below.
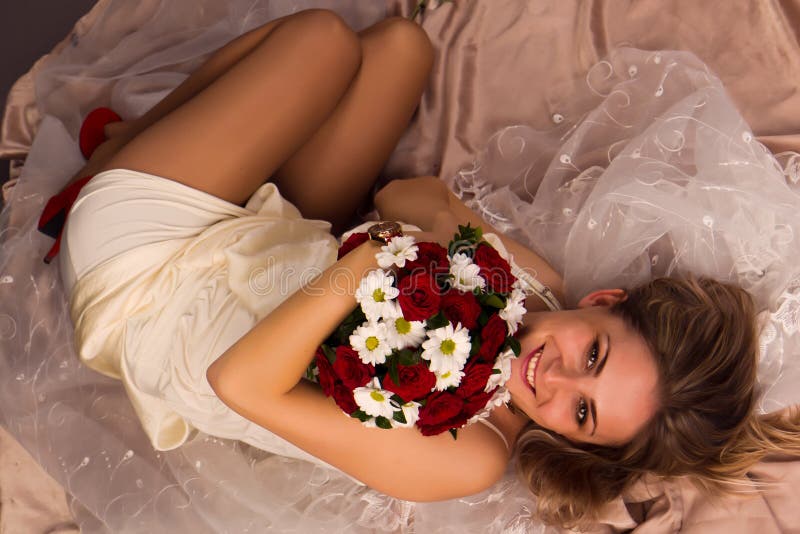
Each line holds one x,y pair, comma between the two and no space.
234,133
342,157
120,133
333,172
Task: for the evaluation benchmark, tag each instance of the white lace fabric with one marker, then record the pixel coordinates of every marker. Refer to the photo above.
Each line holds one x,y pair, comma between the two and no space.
661,175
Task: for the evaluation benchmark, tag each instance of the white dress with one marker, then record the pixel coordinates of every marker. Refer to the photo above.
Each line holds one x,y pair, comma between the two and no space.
660,175
163,278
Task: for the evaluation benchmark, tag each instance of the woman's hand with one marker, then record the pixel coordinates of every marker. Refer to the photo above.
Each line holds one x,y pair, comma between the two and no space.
417,201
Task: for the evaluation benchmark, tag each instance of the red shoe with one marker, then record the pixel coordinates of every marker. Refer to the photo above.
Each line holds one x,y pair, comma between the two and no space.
55,213
54,216
92,130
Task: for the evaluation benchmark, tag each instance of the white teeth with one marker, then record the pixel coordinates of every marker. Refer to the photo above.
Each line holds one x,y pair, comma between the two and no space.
531,371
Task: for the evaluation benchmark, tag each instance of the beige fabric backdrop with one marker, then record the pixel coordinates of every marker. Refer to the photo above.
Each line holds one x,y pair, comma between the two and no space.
517,61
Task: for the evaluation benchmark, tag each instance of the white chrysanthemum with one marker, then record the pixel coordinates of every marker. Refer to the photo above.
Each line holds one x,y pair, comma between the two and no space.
375,294
447,348
369,340
500,397
399,250
514,311
520,284
448,379
466,275
373,400
502,364
411,412
402,333
370,423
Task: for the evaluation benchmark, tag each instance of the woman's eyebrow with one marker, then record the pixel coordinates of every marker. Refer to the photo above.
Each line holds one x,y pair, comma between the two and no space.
597,372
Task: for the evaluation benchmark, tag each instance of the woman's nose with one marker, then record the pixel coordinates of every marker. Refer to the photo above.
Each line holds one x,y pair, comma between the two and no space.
558,377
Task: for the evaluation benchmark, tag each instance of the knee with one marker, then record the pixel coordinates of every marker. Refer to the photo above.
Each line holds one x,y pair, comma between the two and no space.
331,33
408,41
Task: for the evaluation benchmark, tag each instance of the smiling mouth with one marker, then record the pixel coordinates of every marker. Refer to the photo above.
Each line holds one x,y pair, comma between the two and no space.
533,364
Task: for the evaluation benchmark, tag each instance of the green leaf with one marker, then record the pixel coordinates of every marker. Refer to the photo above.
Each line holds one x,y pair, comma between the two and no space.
348,326
483,318
513,344
329,353
476,346
454,433
360,415
391,362
491,299
437,321
496,371
468,233
382,422
409,357
464,246
400,417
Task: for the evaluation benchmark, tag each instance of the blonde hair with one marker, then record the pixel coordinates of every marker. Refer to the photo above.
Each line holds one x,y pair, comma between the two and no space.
703,336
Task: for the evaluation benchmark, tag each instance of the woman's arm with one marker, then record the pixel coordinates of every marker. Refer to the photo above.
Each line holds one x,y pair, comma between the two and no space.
260,377
428,203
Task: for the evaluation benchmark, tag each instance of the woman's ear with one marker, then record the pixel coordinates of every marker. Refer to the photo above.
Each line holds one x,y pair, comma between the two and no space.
603,297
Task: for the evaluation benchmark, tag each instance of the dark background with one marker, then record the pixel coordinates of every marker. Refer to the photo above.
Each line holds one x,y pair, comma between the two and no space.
28,30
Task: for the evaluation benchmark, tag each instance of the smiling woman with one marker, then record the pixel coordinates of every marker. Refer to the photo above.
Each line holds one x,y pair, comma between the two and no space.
572,378
660,379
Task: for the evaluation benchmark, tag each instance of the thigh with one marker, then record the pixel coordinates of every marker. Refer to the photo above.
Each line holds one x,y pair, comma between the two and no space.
229,138
332,173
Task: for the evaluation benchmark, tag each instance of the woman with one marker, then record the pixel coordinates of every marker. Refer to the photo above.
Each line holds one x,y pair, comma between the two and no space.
315,108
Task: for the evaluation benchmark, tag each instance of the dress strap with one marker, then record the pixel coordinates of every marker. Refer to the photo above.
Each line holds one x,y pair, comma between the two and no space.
532,286
496,431
529,283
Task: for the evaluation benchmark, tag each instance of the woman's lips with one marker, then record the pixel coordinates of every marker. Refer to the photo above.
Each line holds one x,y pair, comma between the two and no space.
531,365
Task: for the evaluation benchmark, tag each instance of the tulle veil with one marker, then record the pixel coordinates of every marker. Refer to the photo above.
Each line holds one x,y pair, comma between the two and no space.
661,175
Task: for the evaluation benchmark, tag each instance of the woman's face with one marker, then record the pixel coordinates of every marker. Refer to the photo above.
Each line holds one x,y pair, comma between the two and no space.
585,373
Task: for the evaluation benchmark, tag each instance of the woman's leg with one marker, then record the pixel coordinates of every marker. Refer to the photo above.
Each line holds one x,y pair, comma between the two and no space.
236,132
330,173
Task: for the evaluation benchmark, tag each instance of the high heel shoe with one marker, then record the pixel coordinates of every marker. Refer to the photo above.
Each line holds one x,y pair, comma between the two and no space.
54,216
92,132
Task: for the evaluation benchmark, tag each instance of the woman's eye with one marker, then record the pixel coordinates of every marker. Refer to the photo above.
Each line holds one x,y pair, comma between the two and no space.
580,412
594,354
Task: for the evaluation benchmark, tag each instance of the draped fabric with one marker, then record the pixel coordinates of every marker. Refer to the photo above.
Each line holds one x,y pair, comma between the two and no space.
642,165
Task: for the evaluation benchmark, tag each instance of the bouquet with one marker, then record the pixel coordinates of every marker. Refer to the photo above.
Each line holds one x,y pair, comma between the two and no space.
430,343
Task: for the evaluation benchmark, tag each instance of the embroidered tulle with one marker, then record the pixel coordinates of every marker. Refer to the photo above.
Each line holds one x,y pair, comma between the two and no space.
661,174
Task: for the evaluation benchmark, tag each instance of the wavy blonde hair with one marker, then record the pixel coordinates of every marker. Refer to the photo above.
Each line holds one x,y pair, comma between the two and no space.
703,336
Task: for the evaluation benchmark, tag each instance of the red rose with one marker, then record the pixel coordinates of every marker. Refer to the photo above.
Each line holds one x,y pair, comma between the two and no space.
343,396
327,377
415,381
419,296
474,380
460,307
352,242
492,337
441,412
477,402
350,369
431,257
494,269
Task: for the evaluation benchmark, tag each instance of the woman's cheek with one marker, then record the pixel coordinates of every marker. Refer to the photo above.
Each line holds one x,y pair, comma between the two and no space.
547,417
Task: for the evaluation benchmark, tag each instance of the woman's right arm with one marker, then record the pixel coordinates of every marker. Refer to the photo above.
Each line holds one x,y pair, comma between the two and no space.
427,203
260,377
